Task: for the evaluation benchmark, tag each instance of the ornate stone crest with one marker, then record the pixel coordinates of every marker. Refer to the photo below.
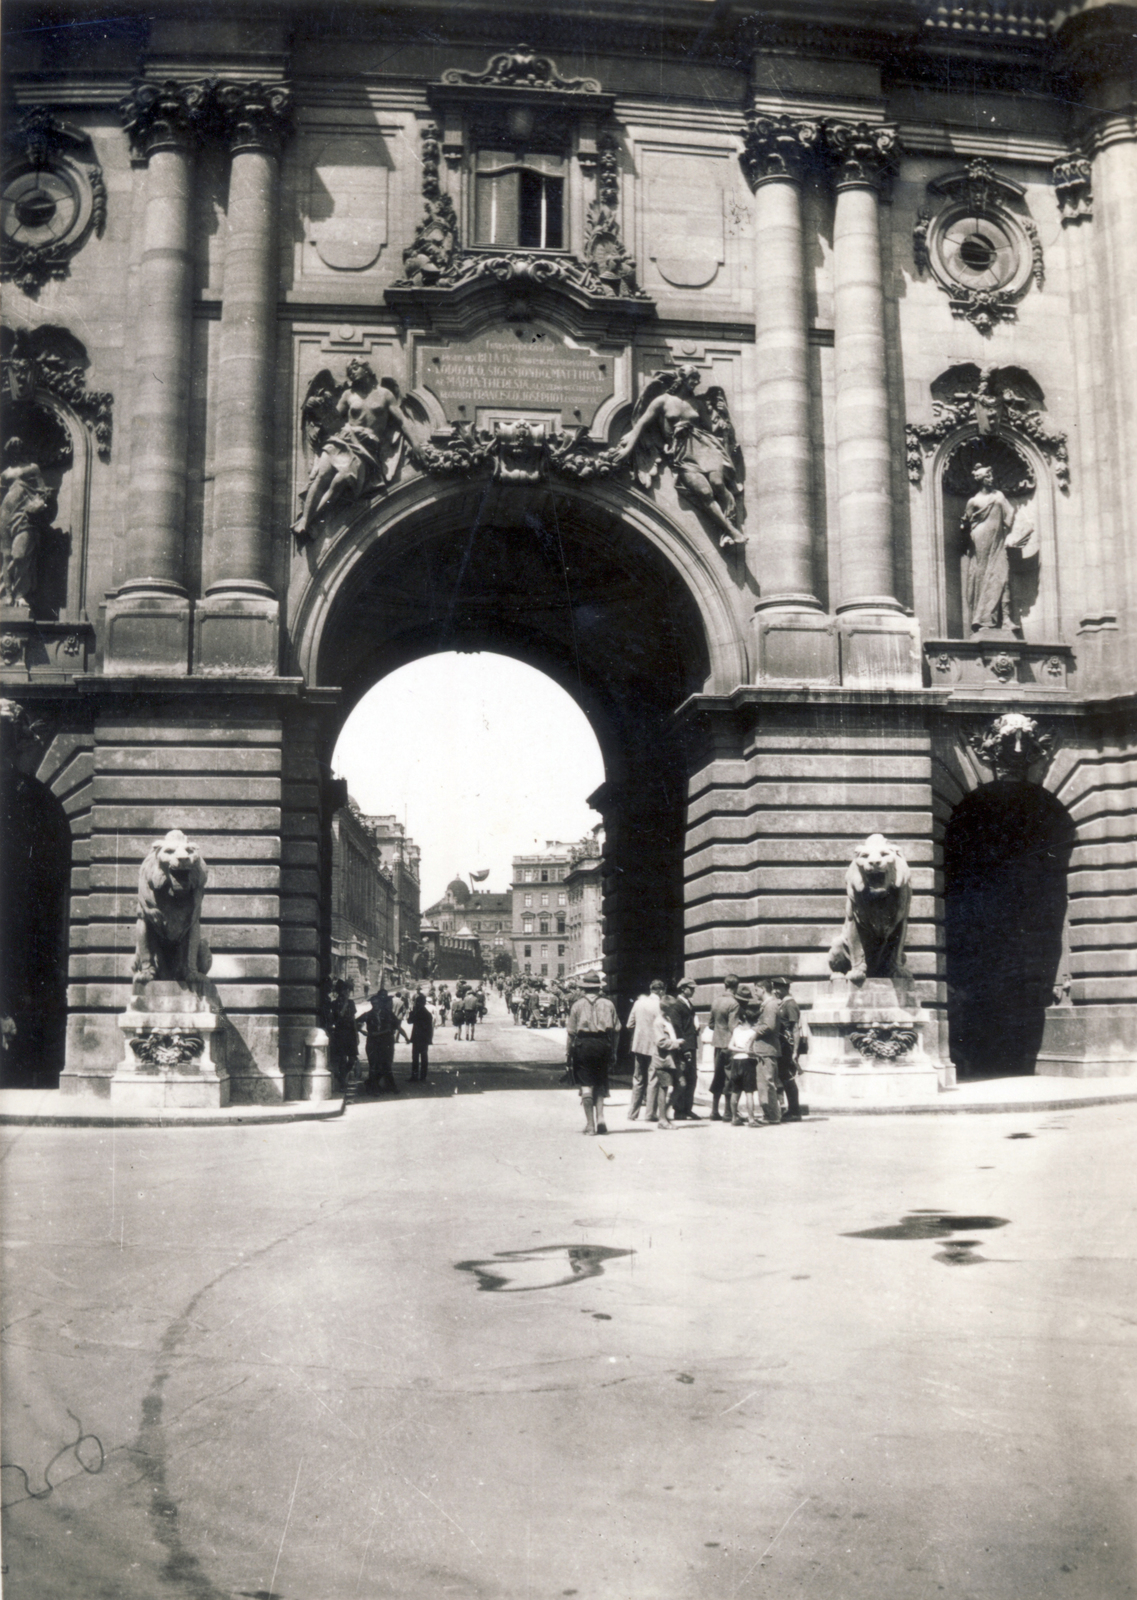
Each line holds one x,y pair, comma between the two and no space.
996,401
884,1041
521,68
1011,745
48,360
52,198
173,1047
1073,187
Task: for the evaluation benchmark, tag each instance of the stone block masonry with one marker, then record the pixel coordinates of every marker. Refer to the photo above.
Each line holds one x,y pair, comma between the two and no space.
220,775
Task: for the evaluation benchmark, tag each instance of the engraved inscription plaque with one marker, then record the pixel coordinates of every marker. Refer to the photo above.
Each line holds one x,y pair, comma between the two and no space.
515,368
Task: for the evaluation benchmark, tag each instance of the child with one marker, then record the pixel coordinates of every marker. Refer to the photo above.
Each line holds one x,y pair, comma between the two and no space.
743,1073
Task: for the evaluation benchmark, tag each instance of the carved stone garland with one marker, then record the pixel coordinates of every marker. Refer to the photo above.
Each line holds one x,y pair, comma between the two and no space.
54,198
46,359
992,407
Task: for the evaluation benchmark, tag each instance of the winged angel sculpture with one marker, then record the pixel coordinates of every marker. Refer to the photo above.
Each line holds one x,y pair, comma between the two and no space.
358,432
692,434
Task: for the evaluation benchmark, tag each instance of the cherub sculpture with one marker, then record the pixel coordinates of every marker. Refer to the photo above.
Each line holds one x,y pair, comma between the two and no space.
26,496
693,434
358,431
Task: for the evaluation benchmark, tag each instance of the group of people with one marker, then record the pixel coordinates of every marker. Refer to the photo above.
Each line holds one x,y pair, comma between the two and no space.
758,1041
391,1015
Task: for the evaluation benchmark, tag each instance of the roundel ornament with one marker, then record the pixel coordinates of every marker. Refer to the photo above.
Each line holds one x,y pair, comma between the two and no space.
52,197
983,254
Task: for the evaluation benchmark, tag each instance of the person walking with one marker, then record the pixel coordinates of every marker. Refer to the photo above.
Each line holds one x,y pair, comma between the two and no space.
422,1036
344,1035
641,1022
789,1043
724,1017
593,1029
470,1011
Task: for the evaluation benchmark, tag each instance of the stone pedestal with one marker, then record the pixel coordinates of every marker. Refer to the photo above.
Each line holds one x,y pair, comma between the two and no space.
174,1050
867,1047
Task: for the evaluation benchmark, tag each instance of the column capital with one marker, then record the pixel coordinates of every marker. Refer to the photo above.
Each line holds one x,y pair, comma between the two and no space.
254,116
1073,187
165,116
778,148
863,154
1110,128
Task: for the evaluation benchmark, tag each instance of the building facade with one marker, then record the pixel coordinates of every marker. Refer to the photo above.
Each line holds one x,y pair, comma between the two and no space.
362,904
540,912
584,887
402,859
478,911
766,376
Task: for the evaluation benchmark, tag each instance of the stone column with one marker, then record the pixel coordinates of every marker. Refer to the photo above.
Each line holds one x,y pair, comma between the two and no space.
874,649
238,621
793,640
148,617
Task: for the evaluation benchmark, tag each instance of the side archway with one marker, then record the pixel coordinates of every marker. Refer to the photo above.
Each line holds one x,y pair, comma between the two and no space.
1006,856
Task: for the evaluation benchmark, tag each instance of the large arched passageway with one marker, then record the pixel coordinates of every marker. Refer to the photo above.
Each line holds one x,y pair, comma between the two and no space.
564,584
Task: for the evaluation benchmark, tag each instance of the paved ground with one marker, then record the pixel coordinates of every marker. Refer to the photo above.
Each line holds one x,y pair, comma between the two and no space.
444,1346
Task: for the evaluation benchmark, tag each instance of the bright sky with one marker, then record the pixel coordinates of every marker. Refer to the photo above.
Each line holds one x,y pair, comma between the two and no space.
486,757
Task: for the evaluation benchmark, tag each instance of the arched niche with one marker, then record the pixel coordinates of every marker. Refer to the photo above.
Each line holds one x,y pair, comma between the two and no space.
1021,473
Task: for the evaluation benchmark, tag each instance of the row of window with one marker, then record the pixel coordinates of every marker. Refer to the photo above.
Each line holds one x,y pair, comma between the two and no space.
562,899
544,951
543,925
547,874
545,969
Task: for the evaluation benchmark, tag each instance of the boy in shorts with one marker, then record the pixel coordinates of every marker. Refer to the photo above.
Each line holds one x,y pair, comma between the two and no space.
742,1074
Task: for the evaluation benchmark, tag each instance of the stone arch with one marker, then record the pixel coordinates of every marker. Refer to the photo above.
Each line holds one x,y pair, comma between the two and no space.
595,587
340,558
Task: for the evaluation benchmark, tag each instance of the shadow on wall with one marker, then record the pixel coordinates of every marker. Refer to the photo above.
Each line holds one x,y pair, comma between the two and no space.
1006,856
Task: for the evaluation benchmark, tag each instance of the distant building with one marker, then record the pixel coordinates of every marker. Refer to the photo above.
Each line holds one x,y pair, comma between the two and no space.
363,902
485,915
401,857
584,885
540,911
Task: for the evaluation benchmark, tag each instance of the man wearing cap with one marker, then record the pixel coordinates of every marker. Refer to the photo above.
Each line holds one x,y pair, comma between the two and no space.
724,1017
593,1029
766,1049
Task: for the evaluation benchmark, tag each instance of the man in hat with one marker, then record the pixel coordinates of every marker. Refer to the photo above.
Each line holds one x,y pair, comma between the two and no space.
687,1065
724,1017
789,1045
593,1030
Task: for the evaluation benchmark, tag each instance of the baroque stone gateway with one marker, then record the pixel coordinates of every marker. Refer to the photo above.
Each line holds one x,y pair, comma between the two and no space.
732,370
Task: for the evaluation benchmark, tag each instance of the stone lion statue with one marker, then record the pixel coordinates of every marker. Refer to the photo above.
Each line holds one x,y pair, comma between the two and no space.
171,886
879,893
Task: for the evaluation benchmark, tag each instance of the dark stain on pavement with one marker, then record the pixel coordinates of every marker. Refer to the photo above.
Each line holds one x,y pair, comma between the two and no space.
957,1253
928,1225
546,1266
1020,1136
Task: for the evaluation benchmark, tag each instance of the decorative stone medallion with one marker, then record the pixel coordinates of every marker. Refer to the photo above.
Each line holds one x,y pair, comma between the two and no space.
52,197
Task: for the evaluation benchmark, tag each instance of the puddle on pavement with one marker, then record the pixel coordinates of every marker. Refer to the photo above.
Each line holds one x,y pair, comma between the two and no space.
545,1266
957,1253
928,1225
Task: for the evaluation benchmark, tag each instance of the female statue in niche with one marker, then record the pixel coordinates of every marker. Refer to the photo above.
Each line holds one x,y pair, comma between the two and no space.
991,527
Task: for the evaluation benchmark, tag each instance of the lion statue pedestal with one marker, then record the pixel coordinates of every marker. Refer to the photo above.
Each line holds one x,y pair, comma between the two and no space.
866,1047
174,1050
175,1031
867,1034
